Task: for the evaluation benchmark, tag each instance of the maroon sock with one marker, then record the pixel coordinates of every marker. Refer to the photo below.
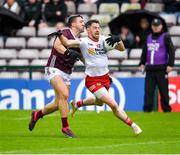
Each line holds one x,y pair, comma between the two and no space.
79,103
65,122
128,121
40,114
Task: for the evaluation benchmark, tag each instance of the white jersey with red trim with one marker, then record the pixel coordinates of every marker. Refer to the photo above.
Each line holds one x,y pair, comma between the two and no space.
94,54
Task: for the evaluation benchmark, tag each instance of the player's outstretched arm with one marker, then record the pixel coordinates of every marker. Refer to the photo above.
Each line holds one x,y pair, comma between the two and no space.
115,40
69,43
64,40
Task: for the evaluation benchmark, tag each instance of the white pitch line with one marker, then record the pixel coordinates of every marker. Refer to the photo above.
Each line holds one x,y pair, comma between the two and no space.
94,147
116,145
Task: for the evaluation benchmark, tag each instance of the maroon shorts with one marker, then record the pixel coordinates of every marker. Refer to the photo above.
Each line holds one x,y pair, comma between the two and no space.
97,82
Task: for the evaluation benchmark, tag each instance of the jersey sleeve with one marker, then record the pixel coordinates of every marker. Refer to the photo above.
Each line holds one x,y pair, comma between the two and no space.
82,45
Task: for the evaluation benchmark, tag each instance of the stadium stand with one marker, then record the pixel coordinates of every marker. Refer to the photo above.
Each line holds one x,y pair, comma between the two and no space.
103,19
43,32
177,53
45,53
14,42
18,62
175,30
8,54
28,54
77,75
115,54
3,62
9,75
30,45
130,62
1,43
37,42
122,74
71,7
169,18
106,30
154,7
35,75
128,6
109,8
50,42
38,62
176,41
26,32
135,53
85,8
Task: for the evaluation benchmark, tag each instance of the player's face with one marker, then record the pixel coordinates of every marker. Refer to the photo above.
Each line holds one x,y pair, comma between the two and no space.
79,24
94,31
157,29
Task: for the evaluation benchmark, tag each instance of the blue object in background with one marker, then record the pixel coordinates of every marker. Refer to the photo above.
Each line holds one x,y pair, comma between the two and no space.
35,94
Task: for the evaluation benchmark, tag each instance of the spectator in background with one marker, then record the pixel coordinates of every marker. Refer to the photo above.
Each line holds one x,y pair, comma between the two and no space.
13,6
127,36
1,2
55,13
43,18
158,60
32,13
140,38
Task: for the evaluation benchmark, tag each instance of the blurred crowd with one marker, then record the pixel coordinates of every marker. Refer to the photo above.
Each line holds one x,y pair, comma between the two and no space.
53,13
43,13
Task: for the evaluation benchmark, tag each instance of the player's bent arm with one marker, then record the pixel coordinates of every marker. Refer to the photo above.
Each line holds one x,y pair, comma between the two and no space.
68,42
59,46
120,46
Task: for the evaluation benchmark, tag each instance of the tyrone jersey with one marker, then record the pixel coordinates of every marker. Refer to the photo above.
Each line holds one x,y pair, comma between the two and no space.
58,60
94,54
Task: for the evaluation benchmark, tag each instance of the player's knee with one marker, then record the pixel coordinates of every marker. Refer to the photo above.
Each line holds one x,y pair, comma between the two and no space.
63,96
114,107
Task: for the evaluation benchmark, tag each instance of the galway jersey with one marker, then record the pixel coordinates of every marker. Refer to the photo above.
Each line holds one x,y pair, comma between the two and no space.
60,61
94,54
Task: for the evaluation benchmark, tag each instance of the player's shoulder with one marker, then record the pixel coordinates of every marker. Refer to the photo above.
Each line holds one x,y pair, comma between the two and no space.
84,39
66,30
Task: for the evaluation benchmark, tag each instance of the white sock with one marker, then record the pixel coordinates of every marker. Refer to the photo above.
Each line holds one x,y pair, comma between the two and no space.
133,125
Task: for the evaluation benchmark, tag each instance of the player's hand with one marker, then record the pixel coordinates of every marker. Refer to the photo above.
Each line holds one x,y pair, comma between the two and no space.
112,40
57,33
169,69
72,54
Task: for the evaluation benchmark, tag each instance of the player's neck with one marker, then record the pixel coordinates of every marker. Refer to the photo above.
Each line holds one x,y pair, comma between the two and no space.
93,39
75,32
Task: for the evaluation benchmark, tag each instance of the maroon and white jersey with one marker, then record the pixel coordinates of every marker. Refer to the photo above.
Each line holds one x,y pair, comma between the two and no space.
58,60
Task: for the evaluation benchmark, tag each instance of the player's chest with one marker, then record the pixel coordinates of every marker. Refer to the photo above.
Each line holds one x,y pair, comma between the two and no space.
95,48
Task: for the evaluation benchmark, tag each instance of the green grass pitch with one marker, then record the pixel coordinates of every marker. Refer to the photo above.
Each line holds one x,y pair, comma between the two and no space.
96,134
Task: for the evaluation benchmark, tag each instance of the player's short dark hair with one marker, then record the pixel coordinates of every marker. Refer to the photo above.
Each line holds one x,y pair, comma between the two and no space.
72,18
90,22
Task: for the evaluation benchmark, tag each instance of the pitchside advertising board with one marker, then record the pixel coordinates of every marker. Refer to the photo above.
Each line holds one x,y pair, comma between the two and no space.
35,94
174,94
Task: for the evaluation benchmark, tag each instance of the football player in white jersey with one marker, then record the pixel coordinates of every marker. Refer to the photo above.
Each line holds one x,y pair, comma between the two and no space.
96,69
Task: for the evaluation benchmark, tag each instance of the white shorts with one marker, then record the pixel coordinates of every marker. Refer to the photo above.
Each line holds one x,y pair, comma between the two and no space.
51,72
